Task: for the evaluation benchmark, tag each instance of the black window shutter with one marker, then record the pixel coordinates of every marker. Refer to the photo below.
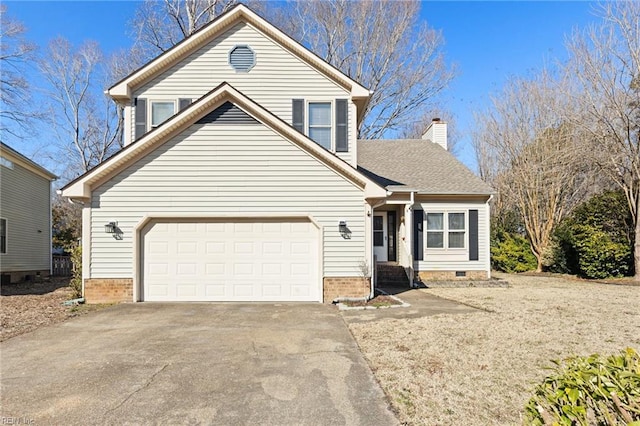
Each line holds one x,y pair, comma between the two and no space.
141,117
342,112
183,103
473,235
418,234
297,114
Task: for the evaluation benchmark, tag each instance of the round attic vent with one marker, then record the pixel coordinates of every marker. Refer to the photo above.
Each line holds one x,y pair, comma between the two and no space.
242,58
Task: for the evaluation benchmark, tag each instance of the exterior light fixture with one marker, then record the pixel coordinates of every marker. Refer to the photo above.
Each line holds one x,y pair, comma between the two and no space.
344,230
111,227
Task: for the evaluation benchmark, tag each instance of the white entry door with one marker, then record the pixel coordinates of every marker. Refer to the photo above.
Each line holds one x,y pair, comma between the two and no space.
248,261
380,236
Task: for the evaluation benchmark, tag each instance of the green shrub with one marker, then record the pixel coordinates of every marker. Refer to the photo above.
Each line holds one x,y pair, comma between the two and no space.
596,241
599,256
511,253
76,275
589,391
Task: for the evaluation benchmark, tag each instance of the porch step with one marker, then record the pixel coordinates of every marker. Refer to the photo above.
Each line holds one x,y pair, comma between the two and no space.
391,275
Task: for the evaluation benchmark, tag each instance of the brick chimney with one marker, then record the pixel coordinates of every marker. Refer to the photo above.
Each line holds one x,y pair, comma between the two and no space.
437,132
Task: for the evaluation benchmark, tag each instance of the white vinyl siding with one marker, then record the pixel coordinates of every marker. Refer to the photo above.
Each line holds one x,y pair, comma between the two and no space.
455,259
25,204
215,169
277,77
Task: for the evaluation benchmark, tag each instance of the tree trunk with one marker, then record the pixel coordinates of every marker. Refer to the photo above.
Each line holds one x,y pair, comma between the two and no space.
636,248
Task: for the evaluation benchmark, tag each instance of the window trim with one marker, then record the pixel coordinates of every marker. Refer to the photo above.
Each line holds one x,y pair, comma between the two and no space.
6,236
150,102
6,163
445,230
307,127
253,52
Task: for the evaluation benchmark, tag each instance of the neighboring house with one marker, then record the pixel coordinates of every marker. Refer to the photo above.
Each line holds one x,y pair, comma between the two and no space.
242,179
25,217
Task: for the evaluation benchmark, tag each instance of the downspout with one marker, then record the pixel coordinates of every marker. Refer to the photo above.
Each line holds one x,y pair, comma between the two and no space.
412,273
50,229
488,213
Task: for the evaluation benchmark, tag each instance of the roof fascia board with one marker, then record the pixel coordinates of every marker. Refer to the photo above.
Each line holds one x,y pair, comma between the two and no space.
15,157
123,89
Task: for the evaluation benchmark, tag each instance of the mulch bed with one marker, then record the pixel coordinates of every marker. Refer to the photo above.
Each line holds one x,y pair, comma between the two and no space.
31,305
378,301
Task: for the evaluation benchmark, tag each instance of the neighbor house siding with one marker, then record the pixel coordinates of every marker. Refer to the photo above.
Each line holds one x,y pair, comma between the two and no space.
25,204
215,169
457,259
276,79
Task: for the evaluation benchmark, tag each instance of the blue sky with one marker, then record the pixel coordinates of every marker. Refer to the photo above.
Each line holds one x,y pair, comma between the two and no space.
489,41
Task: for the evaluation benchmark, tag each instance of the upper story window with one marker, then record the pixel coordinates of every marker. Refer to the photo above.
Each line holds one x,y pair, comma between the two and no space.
242,58
160,111
320,123
446,230
8,164
324,121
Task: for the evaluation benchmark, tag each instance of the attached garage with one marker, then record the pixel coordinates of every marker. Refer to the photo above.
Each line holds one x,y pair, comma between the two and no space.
230,260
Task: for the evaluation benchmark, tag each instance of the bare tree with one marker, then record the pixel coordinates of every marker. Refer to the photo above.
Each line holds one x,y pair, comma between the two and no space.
15,52
605,66
87,124
383,46
159,25
528,153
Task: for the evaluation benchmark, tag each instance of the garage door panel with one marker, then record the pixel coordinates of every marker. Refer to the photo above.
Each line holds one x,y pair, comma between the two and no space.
232,261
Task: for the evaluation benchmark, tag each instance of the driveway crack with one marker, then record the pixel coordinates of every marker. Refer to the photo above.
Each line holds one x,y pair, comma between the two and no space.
146,385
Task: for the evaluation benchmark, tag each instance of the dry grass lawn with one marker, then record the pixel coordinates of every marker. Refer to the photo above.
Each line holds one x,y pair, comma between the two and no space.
479,368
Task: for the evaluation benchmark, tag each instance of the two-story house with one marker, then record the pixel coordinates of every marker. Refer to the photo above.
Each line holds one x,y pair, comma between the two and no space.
25,217
242,179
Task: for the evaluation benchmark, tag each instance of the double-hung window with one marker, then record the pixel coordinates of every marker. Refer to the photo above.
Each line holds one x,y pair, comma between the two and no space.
446,230
320,123
160,111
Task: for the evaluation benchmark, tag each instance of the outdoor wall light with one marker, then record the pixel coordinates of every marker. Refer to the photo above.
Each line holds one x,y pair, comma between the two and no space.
344,229
111,227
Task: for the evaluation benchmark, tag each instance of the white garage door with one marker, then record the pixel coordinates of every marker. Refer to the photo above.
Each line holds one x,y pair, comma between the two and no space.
230,261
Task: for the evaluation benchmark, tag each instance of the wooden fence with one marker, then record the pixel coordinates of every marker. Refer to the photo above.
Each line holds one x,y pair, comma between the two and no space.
61,266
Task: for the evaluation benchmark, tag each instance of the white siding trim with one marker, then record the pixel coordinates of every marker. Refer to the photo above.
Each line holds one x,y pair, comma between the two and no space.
86,244
487,212
81,188
239,13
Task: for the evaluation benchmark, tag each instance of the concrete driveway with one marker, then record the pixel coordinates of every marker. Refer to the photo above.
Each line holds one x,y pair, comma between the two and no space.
201,363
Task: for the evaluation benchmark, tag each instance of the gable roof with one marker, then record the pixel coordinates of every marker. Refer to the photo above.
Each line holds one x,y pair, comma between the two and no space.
14,156
122,90
418,165
80,188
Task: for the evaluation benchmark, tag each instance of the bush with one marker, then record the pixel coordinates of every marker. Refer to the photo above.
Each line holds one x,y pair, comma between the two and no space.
596,241
599,256
511,253
76,277
589,391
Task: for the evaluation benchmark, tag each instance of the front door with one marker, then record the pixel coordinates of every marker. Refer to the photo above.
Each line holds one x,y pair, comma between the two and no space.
380,236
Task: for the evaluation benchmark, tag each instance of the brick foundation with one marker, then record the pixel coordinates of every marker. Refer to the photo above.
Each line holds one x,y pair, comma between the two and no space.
451,275
335,287
108,290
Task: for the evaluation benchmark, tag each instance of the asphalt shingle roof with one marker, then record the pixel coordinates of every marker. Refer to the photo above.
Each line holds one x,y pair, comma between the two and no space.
419,165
